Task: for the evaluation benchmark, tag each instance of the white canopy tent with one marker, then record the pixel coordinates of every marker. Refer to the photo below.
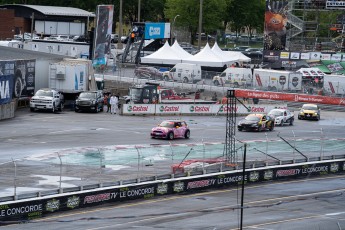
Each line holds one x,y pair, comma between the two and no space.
231,59
237,55
165,55
180,51
206,58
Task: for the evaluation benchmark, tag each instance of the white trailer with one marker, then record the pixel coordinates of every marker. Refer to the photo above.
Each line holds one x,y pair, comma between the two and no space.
334,84
234,77
277,80
70,75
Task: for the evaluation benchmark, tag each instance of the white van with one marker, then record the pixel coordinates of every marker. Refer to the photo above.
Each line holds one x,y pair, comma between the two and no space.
273,80
234,77
183,72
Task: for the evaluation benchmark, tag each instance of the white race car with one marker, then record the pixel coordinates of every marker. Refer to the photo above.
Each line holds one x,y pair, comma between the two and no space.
282,116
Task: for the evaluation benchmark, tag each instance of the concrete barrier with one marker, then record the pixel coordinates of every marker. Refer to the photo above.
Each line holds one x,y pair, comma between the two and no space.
7,110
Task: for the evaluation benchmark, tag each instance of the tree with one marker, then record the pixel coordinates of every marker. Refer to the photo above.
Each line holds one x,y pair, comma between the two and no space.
213,11
249,14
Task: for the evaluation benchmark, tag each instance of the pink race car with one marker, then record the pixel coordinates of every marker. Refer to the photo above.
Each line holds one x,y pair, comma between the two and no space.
171,129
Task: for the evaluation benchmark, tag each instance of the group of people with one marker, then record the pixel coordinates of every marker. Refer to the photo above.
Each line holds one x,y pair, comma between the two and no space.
112,103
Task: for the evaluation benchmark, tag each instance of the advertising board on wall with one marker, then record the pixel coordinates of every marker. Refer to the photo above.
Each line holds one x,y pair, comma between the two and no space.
6,89
37,208
22,80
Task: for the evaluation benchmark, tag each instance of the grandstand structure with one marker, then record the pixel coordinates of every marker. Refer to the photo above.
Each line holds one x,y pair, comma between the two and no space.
308,23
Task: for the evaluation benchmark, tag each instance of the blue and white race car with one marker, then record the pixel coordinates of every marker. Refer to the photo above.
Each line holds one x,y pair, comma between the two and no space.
282,116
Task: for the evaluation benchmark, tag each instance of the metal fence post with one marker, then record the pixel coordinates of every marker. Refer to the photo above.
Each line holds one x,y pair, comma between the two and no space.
15,179
60,171
321,150
294,145
266,145
138,161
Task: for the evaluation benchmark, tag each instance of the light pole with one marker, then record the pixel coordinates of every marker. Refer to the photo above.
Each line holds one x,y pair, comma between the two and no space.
173,28
200,25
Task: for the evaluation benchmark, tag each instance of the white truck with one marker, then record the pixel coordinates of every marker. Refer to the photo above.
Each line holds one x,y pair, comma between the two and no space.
277,80
334,84
183,72
234,77
47,99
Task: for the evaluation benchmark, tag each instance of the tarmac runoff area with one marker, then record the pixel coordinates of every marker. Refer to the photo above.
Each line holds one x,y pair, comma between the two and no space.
90,166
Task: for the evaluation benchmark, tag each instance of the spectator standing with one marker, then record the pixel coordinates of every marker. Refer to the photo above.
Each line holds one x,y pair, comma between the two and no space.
113,102
105,102
108,104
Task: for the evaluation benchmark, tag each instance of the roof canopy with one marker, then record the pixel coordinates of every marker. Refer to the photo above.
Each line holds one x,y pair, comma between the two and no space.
54,10
180,51
206,58
165,55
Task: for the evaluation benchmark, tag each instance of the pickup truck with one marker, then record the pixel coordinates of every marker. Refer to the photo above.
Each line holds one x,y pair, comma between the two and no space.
47,99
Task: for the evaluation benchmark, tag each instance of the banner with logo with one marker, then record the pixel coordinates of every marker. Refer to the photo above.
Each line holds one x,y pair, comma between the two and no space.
195,109
275,25
30,209
157,30
6,89
22,80
102,37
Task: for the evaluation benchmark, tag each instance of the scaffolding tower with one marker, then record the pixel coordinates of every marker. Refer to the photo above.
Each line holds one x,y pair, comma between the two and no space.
230,139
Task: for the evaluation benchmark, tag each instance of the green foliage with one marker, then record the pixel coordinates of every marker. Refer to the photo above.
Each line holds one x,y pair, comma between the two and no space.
213,12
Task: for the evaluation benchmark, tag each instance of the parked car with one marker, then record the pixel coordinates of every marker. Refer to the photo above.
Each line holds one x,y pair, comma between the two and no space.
47,99
114,38
309,111
256,122
282,116
241,48
148,72
170,129
124,39
90,101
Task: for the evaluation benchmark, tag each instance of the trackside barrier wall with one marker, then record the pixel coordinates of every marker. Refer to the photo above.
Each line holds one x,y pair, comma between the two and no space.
24,210
7,110
195,109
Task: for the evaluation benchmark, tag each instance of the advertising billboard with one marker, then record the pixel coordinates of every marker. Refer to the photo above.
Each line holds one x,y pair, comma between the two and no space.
157,30
102,38
22,80
275,25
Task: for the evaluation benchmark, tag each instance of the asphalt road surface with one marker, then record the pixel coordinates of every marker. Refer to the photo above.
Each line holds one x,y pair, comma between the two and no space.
311,204
43,132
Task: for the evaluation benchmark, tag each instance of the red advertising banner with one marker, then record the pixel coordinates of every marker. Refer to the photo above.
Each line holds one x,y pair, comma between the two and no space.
289,97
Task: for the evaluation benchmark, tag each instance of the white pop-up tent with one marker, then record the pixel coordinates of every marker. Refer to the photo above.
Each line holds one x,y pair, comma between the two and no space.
164,55
206,58
228,58
180,51
237,55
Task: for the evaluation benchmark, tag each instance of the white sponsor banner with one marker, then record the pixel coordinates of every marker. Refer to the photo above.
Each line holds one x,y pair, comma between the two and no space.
305,56
196,109
325,56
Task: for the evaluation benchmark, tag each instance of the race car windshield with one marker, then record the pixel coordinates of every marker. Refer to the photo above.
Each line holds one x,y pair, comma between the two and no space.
276,113
309,107
167,124
252,118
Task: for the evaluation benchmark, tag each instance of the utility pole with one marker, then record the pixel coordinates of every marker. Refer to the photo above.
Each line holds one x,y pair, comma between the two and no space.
200,25
139,3
119,44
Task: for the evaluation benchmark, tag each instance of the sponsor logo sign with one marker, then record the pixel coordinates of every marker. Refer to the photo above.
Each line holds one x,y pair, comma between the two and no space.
178,187
199,109
53,205
162,189
73,202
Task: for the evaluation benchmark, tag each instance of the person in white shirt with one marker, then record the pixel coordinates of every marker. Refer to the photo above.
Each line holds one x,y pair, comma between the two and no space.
114,103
